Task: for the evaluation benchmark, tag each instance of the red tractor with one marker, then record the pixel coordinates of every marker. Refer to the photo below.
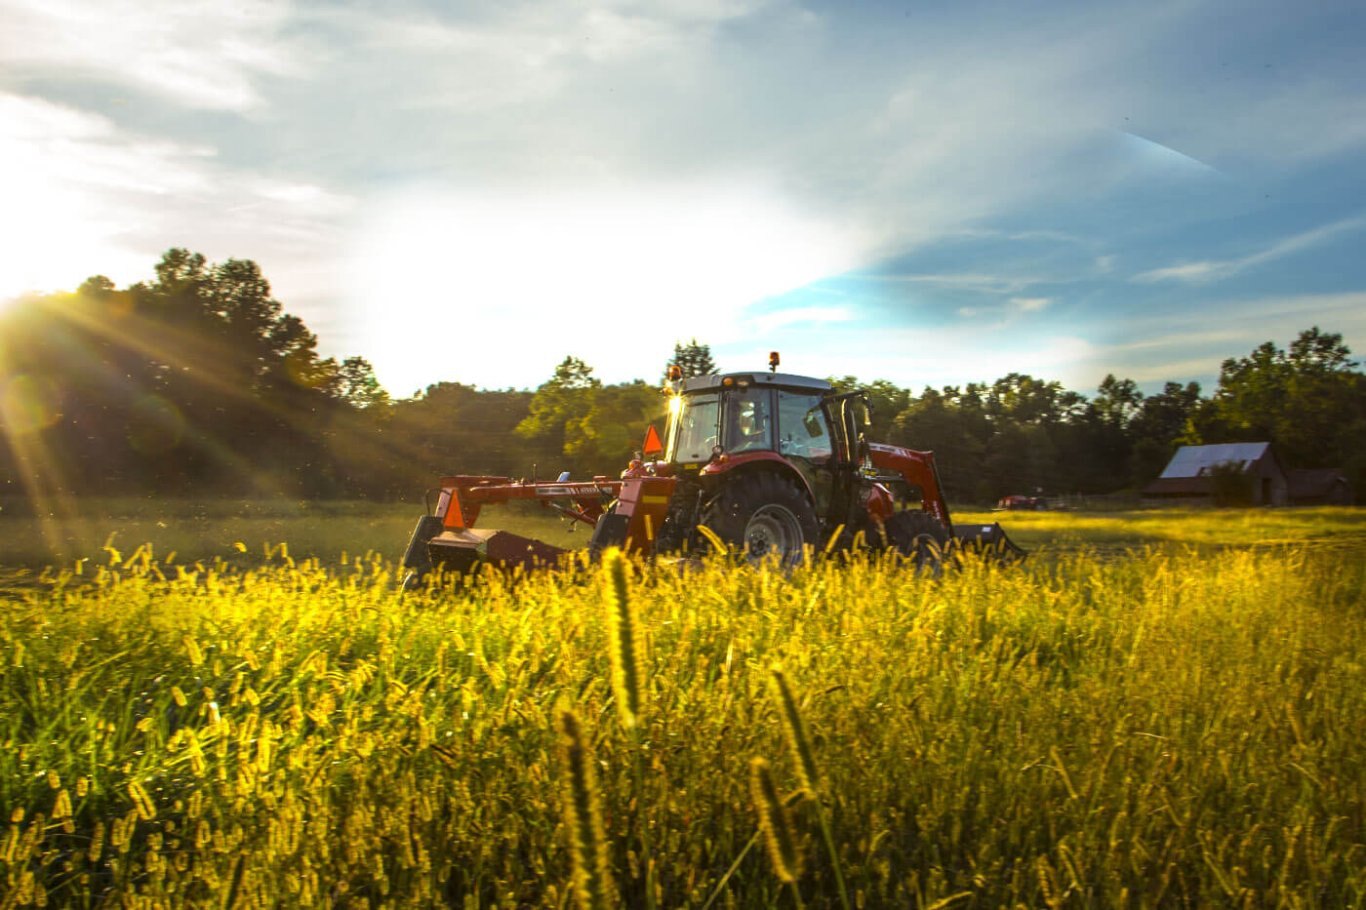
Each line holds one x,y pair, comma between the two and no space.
769,463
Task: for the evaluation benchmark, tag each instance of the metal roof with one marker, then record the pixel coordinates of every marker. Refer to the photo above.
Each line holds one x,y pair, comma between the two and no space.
1190,460
777,380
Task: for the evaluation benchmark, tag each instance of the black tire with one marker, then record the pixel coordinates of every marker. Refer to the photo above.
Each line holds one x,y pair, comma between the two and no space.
920,537
610,531
760,515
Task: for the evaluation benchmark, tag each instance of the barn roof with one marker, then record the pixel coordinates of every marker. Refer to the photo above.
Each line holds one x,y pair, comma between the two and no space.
1190,460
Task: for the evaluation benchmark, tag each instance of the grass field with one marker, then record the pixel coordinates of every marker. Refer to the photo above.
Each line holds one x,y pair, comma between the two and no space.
1160,709
187,531
190,531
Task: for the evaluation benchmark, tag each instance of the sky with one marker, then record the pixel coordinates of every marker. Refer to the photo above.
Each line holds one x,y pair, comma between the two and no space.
930,193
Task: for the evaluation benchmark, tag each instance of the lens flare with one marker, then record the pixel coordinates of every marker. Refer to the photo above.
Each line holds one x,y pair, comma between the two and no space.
155,425
28,405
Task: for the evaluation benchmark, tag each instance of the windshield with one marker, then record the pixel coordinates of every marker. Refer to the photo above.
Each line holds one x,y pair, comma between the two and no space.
693,434
749,423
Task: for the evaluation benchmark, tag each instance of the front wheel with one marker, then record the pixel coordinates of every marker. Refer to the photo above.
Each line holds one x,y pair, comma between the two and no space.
763,515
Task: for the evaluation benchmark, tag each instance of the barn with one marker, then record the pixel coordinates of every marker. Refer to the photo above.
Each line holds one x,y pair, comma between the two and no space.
1190,475
1320,487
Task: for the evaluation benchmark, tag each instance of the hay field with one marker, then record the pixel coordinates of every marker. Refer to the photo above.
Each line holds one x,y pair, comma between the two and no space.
1170,717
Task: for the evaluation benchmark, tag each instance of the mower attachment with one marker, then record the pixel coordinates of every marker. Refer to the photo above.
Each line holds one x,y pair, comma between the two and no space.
460,549
989,541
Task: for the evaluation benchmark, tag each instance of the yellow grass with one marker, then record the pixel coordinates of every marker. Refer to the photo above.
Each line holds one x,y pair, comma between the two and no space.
1176,726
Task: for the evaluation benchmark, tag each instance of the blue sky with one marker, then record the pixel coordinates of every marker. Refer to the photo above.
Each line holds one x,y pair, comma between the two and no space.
929,193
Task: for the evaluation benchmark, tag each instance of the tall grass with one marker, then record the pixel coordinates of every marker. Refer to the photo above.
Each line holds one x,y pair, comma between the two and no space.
209,528
1171,728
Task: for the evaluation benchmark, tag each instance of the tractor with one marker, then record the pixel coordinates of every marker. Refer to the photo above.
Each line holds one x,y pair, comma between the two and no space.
768,464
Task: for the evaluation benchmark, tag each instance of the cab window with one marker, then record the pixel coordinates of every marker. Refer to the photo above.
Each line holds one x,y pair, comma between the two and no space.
802,428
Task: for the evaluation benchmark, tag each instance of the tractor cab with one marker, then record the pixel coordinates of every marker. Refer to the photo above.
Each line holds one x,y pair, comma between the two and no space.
770,421
735,413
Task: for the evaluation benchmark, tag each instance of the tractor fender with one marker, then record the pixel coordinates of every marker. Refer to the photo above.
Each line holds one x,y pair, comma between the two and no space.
751,462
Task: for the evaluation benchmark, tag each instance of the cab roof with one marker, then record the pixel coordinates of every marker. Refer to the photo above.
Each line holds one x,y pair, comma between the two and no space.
788,381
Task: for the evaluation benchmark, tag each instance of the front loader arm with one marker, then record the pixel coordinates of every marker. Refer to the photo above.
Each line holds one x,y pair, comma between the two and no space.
917,469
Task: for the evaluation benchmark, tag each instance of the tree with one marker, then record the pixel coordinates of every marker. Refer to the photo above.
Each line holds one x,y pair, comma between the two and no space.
693,359
1310,401
197,380
884,398
1162,421
1117,401
938,421
1096,442
1024,399
357,385
566,396
603,438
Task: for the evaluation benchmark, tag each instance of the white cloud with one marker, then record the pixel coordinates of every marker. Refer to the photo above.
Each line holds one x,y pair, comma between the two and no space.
200,53
1190,344
1187,271
798,316
85,197
983,282
1151,349
1215,270
1031,304
503,288
953,355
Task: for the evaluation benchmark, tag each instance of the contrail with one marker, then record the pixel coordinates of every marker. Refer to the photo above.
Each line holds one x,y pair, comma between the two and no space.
1165,153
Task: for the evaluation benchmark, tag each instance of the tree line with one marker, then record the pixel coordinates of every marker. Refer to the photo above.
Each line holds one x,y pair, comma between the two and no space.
198,384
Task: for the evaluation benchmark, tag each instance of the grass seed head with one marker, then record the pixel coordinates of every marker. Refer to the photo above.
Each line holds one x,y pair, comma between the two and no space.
583,813
794,730
774,822
623,645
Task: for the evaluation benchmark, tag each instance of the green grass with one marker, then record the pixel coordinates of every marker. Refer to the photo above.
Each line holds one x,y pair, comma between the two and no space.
204,530
1176,726
1056,532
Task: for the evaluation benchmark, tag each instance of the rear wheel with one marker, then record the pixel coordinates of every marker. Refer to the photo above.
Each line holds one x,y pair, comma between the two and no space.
920,537
763,515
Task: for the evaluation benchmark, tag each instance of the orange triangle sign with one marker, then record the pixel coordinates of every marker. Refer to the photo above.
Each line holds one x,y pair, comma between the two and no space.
652,446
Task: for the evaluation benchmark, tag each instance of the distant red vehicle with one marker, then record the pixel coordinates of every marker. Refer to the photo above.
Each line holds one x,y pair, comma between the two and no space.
1022,504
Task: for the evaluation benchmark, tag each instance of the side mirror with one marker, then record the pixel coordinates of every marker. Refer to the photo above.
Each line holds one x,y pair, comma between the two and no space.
652,447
